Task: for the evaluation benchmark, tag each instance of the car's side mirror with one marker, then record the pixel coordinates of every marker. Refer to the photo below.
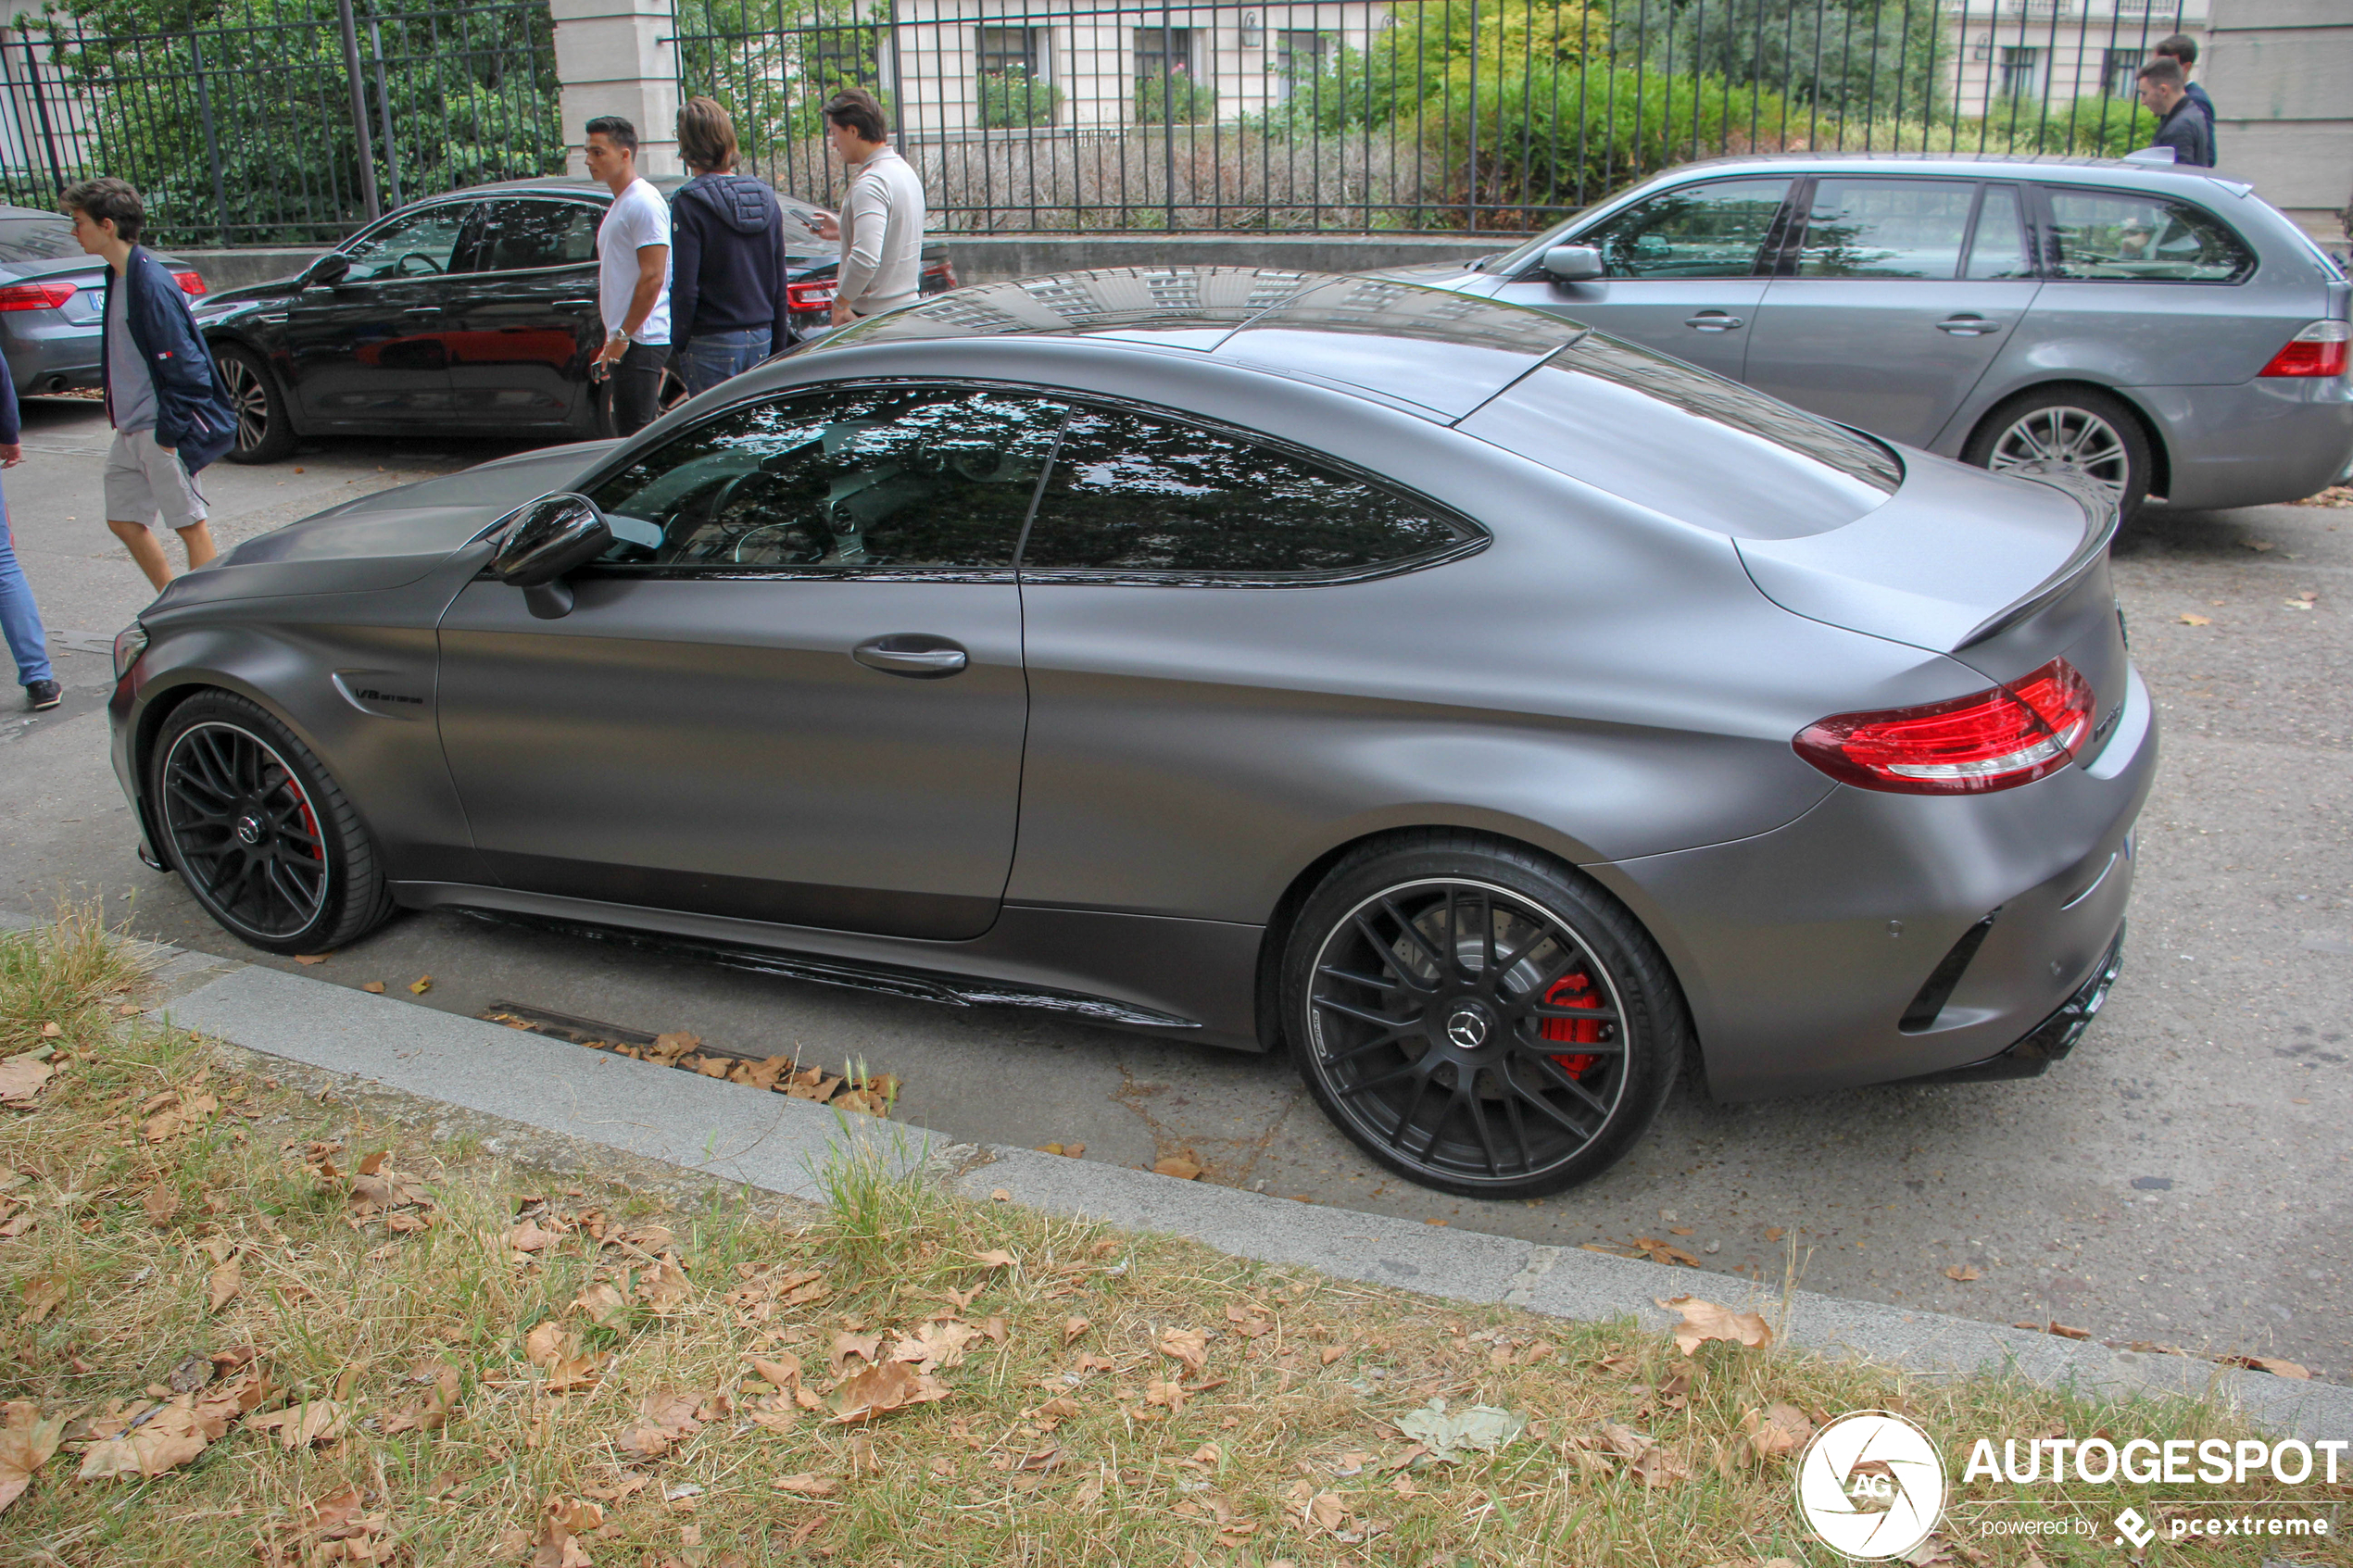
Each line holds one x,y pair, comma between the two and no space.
548,538
328,270
1572,264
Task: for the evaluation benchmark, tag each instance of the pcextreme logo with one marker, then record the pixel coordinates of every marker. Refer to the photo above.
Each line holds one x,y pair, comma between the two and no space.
1871,1484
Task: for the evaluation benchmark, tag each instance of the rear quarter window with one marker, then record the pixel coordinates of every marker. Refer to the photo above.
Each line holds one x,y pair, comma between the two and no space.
2121,237
1688,444
37,239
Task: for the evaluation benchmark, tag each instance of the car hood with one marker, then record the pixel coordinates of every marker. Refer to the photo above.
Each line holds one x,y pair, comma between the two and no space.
392,537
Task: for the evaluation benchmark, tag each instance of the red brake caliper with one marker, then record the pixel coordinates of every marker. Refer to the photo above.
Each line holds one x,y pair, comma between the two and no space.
1573,991
310,822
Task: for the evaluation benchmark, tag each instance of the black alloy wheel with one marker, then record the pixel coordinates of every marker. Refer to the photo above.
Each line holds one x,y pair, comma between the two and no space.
1481,1020
264,434
259,832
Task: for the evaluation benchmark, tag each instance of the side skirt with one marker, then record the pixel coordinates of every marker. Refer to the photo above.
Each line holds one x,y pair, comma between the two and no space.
1188,978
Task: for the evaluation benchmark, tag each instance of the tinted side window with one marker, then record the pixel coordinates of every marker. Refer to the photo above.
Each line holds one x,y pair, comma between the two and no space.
417,247
1712,230
1885,228
1998,249
1129,493
839,480
2125,238
37,239
522,235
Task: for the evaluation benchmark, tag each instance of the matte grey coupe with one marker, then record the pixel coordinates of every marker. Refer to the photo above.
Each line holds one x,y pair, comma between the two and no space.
2162,332
1489,712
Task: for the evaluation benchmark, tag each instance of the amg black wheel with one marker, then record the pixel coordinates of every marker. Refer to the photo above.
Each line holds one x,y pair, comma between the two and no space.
1478,1019
264,434
258,831
2077,430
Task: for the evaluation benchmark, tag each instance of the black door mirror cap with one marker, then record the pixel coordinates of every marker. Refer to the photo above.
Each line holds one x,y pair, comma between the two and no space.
326,270
548,537
1573,264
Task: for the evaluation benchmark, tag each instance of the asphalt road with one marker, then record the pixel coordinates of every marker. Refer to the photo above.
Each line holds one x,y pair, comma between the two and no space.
2185,1178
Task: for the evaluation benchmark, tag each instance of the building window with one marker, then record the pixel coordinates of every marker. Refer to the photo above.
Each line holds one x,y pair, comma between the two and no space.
2121,71
844,57
1160,50
2022,73
1011,49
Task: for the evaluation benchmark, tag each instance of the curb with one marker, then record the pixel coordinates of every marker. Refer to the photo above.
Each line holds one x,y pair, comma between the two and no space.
779,1145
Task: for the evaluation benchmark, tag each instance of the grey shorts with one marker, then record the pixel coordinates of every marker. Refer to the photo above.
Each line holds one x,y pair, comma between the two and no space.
146,485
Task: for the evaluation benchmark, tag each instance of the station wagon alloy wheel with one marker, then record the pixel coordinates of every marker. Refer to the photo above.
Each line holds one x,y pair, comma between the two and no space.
2073,439
1477,1038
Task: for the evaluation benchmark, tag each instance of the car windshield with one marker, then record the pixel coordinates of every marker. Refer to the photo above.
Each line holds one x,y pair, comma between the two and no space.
37,239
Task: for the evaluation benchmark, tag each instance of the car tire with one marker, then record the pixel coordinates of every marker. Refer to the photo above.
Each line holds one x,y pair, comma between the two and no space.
2087,431
1390,992
264,432
259,829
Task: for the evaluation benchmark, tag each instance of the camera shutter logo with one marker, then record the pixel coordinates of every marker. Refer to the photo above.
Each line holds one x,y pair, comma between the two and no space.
1871,1484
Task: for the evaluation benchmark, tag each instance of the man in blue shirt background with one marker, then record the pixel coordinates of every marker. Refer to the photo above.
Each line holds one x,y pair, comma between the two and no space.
2182,50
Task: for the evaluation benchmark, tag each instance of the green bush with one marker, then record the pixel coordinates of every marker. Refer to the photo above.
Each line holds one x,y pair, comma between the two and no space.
1173,98
1012,99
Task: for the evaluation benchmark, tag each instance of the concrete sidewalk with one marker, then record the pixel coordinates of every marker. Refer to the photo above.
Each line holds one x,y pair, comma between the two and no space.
778,1144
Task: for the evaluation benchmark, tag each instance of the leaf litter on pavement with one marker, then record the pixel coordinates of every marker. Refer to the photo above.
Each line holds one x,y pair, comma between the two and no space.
432,1357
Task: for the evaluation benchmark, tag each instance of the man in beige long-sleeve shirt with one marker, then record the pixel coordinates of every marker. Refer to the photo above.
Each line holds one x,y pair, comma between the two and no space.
881,226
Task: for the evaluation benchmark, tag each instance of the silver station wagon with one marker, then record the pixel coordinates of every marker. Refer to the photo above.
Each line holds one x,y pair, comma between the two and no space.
2165,333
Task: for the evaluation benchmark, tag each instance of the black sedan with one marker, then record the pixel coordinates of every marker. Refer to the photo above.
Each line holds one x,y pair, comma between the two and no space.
52,294
470,313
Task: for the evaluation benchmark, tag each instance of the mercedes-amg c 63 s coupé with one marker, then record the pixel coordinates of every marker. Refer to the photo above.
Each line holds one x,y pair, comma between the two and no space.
1491,714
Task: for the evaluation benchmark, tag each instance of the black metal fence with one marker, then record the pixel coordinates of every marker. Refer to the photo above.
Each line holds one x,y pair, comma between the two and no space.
1069,115
281,121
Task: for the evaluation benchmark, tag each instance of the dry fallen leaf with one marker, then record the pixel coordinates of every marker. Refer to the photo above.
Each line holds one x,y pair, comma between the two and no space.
301,1425
1774,1233
936,1344
1775,1432
374,987
42,1296
430,1411
878,1390
1664,1251
2276,1367
1167,1392
1703,1321
1000,1195
165,1441
1072,1328
665,1419
420,985
602,1303
225,1282
1963,1272
1642,1456
307,959
1185,1344
560,1522
997,1258
27,1440
808,1484
528,1237
1177,1165
848,1347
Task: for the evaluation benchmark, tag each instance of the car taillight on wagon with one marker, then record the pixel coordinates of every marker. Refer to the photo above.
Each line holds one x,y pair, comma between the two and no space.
191,282
2318,350
815,294
35,296
1995,739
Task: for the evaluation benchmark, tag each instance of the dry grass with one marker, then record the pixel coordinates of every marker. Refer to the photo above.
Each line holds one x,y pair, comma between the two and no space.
1068,1433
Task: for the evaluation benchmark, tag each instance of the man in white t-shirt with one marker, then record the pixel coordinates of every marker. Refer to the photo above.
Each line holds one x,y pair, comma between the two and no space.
633,278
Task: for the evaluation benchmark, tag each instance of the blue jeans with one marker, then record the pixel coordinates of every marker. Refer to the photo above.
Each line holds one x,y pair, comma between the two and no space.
711,357
19,617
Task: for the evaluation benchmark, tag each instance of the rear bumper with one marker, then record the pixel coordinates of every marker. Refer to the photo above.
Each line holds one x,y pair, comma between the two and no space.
50,354
2049,1040
1802,951
2277,438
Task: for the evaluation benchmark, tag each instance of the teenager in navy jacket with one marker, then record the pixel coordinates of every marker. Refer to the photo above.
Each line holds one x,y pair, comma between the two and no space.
171,417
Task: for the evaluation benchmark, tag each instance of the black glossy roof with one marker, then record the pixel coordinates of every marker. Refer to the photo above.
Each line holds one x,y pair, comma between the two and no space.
1434,350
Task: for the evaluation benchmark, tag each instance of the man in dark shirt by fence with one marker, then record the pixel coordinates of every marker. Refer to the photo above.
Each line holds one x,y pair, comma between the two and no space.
728,309
2181,124
2183,49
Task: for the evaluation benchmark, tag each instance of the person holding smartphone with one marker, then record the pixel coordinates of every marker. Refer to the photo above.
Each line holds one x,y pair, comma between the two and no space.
633,278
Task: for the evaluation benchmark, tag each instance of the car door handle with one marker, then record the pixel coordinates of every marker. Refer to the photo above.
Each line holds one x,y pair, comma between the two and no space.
1714,321
573,304
422,310
1969,326
923,656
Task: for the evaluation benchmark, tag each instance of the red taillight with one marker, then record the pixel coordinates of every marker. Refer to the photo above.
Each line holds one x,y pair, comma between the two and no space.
1995,739
815,294
35,296
944,273
190,282
2318,350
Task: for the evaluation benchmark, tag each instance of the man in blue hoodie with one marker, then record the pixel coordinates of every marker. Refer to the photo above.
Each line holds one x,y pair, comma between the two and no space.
170,415
728,309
